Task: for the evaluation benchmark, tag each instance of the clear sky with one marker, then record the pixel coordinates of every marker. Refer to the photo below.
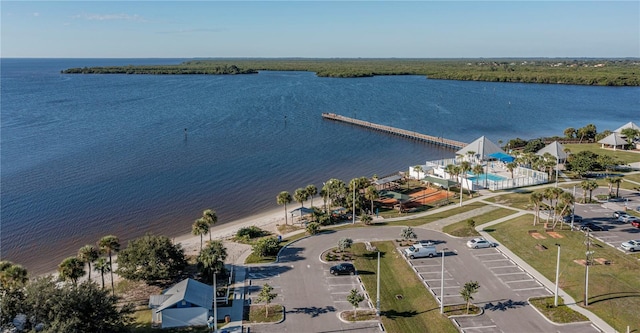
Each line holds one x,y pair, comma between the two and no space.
323,29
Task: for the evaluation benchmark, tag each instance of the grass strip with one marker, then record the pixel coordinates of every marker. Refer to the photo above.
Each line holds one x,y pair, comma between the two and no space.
464,229
561,314
417,310
614,289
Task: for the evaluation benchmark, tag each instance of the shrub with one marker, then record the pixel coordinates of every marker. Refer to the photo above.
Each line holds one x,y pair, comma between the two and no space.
268,246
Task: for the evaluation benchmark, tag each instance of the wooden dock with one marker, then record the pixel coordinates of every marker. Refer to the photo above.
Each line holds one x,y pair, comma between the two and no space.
397,131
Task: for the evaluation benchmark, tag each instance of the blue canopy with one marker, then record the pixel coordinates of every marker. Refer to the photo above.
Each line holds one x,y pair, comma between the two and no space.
502,157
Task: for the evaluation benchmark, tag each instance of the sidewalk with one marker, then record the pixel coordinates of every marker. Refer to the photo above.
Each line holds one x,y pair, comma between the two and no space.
568,300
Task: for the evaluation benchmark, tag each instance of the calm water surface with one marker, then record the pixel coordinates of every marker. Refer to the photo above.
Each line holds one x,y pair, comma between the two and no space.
83,156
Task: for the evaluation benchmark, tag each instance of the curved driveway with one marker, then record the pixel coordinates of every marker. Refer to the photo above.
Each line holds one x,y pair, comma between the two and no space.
307,290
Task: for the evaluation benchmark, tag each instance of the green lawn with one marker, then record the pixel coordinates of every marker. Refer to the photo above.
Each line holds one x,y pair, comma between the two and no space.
417,311
462,228
517,200
614,290
625,157
433,217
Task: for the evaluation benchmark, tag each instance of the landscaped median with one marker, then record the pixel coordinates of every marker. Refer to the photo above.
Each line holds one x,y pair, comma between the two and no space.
614,282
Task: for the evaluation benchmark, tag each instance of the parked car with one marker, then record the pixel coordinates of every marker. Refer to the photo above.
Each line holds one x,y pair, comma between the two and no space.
618,213
480,242
625,218
421,250
592,226
632,245
343,269
636,223
576,218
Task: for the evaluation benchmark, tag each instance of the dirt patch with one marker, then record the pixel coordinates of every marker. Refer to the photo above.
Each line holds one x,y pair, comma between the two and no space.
554,234
537,235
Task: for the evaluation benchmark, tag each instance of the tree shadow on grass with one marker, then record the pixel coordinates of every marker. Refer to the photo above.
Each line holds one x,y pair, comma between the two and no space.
610,296
373,255
393,314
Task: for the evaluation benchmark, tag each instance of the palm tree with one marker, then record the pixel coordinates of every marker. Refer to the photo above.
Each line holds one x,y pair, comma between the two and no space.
467,292
477,170
284,198
212,258
12,275
300,195
450,169
210,216
88,254
471,154
610,184
371,193
110,244
617,181
366,219
552,193
566,200
418,170
536,200
464,168
354,298
511,166
592,186
312,190
199,228
71,268
584,185
102,266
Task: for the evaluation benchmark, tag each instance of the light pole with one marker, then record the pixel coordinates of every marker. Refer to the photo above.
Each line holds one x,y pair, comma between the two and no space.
215,304
586,274
555,299
442,283
378,289
573,211
354,203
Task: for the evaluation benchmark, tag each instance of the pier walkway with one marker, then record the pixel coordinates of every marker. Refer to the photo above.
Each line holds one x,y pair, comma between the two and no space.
397,131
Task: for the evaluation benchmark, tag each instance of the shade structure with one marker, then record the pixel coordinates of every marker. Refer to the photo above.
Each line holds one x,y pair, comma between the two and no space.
481,148
502,157
556,150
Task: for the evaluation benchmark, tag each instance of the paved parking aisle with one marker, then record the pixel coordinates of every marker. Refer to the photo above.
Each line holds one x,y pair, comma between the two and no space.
476,324
510,273
429,270
258,276
340,287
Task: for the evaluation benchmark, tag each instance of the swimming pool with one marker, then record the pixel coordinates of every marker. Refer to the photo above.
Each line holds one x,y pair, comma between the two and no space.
489,176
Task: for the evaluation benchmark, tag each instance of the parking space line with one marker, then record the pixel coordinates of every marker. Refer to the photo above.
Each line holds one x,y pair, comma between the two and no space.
343,284
511,273
476,327
487,254
495,260
519,281
516,266
439,265
449,279
532,288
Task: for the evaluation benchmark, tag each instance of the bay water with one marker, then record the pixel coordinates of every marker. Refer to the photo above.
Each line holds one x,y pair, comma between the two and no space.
83,156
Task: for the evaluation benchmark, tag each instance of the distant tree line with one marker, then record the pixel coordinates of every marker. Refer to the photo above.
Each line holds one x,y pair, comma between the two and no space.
601,72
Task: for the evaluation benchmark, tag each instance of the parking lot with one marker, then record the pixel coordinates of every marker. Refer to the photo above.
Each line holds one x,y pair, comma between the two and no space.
615,232
339,287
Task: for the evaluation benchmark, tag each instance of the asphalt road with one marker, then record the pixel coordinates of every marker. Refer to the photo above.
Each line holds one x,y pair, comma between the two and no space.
313,298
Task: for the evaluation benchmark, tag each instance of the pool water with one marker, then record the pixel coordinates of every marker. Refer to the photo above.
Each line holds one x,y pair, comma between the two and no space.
488,176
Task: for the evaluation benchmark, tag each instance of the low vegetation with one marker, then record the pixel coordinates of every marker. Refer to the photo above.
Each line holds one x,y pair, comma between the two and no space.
613,72
560,314
467,229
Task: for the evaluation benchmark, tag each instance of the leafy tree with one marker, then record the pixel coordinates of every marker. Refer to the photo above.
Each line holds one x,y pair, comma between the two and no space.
312,190
354,298
300,195
200,227
284,198
267,246
582,162
209,216
344,243
72,269
151,258
266,295
588,132
533,146
313,228
110,244
12,276
602,135
88,254
102,266
84,308
211,259
467,292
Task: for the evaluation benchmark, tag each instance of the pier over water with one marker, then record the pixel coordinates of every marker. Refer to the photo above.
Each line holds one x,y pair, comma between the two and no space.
397,131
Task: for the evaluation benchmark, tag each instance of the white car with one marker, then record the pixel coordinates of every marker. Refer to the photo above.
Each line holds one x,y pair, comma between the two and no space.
477,243
625,218
632,245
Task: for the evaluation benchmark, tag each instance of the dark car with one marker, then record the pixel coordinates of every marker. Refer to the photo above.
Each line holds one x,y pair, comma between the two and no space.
576,218
592,227
343,269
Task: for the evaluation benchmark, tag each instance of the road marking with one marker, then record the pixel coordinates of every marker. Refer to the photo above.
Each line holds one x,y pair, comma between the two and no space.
494,260
476,327
510,273
509,266
439,265
437,279
486,254
519,281
532,288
